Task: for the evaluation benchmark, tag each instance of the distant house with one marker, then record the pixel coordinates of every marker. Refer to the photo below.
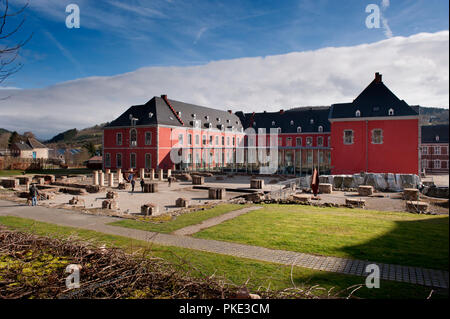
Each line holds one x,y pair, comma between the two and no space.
434,149
31,148
95,162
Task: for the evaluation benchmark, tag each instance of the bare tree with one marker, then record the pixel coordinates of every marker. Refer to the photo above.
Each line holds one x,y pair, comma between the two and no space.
9,52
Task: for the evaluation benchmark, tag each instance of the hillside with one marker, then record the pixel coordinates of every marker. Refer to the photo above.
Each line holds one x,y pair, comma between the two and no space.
77,138
433,115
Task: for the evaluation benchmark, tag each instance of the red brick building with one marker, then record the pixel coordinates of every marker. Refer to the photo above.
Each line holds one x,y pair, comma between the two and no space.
434,149
377,132
144,136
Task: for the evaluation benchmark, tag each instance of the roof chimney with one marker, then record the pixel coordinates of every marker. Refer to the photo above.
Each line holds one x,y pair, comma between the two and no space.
164,96
378,77
230,111
281,111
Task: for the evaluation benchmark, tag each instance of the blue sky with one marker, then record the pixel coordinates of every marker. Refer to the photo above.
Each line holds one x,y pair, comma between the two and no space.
121,36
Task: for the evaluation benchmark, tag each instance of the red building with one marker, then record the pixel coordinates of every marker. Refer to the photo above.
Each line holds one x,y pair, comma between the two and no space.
434,149
145,135
376,133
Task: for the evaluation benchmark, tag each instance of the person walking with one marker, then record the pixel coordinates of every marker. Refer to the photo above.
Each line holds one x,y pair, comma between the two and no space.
169,180
34,193
142,184
133,182
315,182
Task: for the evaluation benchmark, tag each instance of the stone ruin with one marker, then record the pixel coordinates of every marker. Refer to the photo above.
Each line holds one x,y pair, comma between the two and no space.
149,209
182,202
216,193
112,195
380,182
110,204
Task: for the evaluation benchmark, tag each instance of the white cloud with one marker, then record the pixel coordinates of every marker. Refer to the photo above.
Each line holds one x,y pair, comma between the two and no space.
385,3
415,68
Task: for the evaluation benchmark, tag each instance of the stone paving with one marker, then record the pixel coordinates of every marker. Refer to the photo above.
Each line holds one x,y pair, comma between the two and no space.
189,230
414,275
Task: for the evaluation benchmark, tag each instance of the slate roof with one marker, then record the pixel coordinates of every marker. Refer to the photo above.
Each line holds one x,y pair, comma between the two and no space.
289,120
34,143
23,146
430,132
374,101
157,111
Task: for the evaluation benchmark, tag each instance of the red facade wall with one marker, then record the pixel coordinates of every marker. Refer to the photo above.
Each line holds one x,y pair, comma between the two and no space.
397,154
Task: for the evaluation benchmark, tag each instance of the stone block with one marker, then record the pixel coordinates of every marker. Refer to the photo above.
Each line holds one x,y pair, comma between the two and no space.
365,190
216,193
325,188
182,202
411,194
112,195
355,202
257,183
110,204
149,209
10,183
417,207
93,189
302,198
198,180
150,188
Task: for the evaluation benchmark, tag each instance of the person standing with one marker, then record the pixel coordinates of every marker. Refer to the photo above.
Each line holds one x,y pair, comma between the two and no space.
34,194
142,184
133,182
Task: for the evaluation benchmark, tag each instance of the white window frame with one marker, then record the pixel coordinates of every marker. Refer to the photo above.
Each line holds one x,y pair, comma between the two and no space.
289,141
119,140
320,141
437,150
373,136
320,129
437,164
135,160
352,137
146,139
391,112
309,141
299,129
358,113
107,159
145,160
117,160
424,150
133,143
297,143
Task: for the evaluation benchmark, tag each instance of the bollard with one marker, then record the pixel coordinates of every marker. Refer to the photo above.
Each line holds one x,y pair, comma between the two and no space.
95,178
101,178
152,174
161,174
111,180
142,173
119,176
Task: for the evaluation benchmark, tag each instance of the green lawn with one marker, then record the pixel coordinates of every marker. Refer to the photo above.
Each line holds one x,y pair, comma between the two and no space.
237,270
180,221
10,172
390,237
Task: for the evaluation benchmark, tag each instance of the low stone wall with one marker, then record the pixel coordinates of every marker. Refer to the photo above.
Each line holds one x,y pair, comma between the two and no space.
380,182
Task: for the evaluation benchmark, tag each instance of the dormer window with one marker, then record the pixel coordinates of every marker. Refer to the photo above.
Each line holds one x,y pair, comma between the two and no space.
299,129
207,117
218,119
292,122
358,113
311,121
228,121
150,115
279,130
178,113
320,128
437,138
273,123
193,116
391,112
254,123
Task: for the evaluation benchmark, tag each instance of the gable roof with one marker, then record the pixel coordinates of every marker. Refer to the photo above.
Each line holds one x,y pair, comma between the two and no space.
175,113
430,132
30,144
289,120
374,101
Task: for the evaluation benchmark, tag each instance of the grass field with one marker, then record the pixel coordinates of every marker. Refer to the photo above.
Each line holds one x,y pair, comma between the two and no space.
238,270
390,237
10,172
180,221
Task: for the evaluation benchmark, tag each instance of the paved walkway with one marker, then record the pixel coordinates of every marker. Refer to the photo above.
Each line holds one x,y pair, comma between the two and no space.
415,275
189,230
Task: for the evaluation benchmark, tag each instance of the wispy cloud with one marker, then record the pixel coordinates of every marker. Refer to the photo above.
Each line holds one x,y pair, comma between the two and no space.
415,68
384,21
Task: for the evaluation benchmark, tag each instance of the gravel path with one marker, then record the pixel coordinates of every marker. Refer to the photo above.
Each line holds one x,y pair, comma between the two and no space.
189,230
414,275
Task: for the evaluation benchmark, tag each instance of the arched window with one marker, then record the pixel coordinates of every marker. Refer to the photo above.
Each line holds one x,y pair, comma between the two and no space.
279,130
292,122
273,123
320,128
311,121
358,113
391,112
133,137
299,129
